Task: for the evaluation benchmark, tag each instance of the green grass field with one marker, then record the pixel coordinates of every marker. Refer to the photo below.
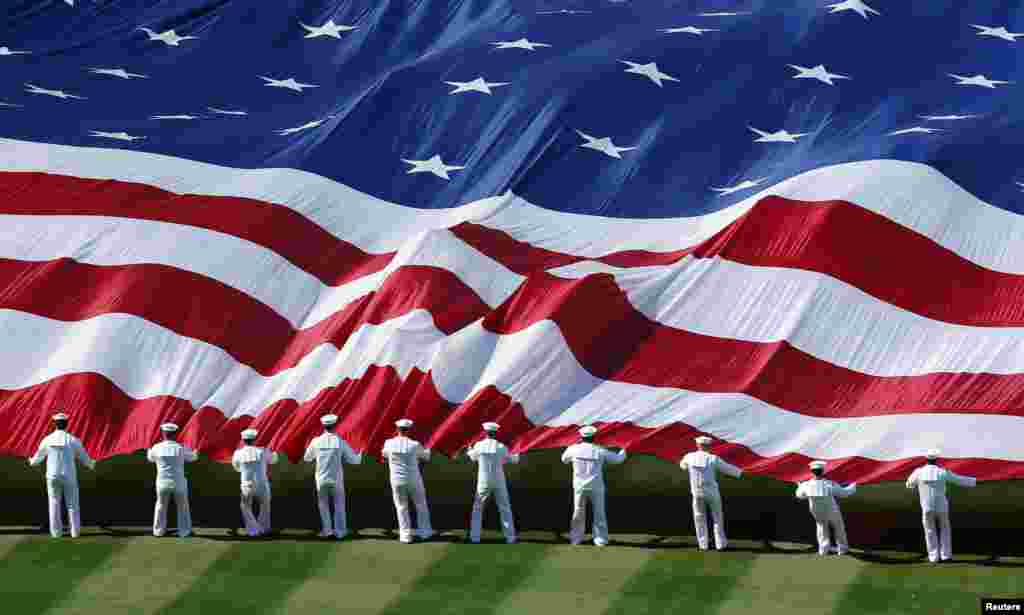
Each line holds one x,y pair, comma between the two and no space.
213,573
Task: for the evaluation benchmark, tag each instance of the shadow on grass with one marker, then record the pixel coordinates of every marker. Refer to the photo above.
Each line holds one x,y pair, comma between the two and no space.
39,574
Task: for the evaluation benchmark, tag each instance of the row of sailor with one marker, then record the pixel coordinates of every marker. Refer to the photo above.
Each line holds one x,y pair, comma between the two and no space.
404,455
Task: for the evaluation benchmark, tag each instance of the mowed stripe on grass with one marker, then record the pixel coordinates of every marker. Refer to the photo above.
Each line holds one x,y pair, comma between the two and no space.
364,576
470,580
575,579
39,572
142,577
253,577
112,575
916,586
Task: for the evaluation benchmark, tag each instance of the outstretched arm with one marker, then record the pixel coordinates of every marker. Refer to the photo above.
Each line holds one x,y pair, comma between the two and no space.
83,456
727,468
40,455
310,455
352,457
963,481
615,458
843,492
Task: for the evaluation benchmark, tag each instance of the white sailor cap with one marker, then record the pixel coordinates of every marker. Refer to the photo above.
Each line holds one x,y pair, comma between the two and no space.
250,434
933,453
703,440
817,465
403,423
169,427
491,426
60,416
588,430
329,419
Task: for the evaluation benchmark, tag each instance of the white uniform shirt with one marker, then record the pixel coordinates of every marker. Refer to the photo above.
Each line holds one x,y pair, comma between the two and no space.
930,481
251,462
330,452
704,468
588,461
491,457
60,449
821,494
170,458
403,455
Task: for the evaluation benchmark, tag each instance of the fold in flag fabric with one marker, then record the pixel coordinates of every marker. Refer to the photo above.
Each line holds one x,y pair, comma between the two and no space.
795,227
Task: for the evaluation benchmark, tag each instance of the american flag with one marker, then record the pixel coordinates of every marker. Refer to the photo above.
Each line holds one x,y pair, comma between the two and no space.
793,225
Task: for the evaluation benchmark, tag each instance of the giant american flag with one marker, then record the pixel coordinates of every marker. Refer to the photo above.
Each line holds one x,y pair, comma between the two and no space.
794,225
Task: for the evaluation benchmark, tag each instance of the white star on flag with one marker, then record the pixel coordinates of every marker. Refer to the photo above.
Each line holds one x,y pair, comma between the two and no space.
35,89
979,80
946,117
743,185
1000,32
118,72
603,145
226,111
330,29
7,104
856,6
431,165
522,43
120,136
69,2
688,30
915,130
181,116
649,70
1020,184
170,37
289,84
477,85
779,136
7,51
818,72
306,126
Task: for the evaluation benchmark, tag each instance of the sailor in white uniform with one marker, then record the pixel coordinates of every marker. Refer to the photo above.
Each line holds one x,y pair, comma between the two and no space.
251,463
821,495
330,452
61,450
588,461
703,468
170,458
404,456
491,457
930,481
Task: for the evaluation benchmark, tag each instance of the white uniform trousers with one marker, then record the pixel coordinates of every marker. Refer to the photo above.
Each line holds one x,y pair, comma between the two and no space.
835,521
255,493
938,535
504,505
402,494
579,516
58,489
163,497
326,495
700,521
